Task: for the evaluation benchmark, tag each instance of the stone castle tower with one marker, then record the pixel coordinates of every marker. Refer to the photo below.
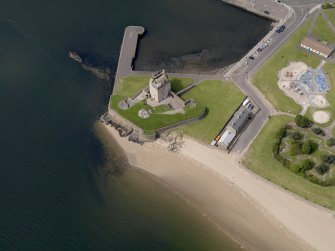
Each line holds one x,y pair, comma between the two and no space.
160,86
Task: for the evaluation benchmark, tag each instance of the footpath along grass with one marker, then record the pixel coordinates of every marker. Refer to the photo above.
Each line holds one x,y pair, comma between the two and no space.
331,15
131,85
322,31
259,159
221,100
265,79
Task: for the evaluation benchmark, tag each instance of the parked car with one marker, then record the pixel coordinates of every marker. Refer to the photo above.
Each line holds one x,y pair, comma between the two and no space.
282,27
266,12
251,57
269,40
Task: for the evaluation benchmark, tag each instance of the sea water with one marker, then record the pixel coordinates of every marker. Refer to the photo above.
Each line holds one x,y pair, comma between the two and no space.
56,191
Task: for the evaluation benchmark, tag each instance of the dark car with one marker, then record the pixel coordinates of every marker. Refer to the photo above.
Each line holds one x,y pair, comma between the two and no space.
266,12
281,29
251,57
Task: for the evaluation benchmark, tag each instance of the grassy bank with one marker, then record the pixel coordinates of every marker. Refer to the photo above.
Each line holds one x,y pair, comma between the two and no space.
221,100
265,79
259,159
322,31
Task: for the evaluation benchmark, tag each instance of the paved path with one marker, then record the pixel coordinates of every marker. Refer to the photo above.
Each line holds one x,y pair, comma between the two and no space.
128,51
326,18
311,27
298,16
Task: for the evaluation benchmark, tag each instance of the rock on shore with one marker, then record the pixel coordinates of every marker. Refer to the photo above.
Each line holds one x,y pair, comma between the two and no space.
101,72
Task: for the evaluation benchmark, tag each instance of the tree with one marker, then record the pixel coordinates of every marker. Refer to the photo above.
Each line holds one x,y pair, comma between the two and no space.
281,133
328,158
322,168
296,136
303,166
317,130
295,148
309,147
295,167
302,121
331,142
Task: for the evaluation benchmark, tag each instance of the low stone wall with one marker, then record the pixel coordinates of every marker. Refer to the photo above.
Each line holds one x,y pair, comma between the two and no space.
182,123
186,89
148,137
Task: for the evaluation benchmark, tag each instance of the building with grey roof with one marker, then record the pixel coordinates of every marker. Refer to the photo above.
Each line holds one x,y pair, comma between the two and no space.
235,126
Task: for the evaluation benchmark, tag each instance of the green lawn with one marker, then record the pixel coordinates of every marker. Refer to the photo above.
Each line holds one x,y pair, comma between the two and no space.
221,100
331,15
265,79
129,86
178,84
329,69
259,159
322,31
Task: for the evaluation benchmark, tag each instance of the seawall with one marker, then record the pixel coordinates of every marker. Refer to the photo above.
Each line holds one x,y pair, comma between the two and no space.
266,8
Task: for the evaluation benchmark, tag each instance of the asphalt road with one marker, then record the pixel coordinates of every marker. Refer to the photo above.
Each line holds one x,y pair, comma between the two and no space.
299,15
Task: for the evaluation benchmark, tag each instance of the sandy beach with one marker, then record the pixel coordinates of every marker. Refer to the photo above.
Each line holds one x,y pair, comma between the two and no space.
254,212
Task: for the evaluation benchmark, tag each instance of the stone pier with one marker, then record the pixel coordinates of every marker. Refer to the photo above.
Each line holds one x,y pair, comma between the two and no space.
128,51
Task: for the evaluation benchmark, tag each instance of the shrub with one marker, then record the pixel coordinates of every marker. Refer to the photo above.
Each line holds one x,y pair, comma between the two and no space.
281,133
327,5
276,147
316,180
303,166
295,148
296,136
318,131
331,142
306,164
322,168
302,121
328,158
309,147
295,167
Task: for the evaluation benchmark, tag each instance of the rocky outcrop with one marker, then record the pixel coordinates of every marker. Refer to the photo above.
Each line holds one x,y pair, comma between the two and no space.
101,72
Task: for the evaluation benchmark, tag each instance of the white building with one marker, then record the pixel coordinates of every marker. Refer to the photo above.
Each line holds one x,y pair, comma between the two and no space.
316,46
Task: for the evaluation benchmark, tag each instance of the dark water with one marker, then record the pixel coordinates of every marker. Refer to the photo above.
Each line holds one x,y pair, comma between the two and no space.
55,193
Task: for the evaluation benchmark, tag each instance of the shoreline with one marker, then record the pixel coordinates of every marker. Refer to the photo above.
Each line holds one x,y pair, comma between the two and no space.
212,194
